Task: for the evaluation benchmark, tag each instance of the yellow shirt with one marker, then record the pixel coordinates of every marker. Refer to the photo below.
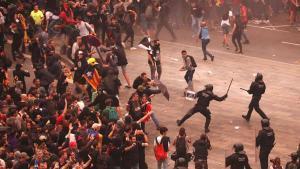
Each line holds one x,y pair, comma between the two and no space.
37,17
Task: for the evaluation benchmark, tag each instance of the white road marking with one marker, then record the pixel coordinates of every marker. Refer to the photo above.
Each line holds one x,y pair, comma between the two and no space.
290,43
173,59
223,52
264,27
277,26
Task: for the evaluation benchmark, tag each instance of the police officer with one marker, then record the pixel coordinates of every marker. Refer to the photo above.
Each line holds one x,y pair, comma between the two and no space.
265,140
201,147
204,98
239,159
154,59
257,88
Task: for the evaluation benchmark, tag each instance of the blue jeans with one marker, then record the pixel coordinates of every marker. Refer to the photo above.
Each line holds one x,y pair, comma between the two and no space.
162,164
196,24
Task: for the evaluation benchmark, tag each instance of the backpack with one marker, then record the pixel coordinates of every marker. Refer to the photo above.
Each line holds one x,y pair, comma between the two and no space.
181,146
110,113
159,151
194,64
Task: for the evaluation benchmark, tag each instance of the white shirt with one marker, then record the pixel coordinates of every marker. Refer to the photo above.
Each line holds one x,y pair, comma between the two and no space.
226,22
83,28
75,47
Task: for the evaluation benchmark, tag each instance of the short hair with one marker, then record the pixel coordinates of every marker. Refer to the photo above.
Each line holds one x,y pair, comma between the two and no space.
182,131
162,130
183,51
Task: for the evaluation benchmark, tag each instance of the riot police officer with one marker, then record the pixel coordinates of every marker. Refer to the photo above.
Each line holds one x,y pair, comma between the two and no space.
265,140
239,159
204,98
257,88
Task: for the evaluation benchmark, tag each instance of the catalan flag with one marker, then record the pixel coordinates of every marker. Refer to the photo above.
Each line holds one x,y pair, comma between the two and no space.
92,77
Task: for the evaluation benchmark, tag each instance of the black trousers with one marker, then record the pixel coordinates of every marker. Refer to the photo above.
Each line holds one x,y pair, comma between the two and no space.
201,164
254,104
165,22
236,40
203,110
129,34
264,158
189,75
205,42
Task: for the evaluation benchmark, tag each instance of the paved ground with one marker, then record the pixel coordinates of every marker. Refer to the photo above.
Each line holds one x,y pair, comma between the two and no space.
278,61
274,51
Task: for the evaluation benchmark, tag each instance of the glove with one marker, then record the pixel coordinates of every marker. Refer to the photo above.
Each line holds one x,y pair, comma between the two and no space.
225,96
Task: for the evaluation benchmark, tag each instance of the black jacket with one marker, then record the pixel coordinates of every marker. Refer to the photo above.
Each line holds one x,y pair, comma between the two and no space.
205,96
237,161
257,88
201,149
265,139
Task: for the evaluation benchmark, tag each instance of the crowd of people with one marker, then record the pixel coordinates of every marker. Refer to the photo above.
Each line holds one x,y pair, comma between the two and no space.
70,116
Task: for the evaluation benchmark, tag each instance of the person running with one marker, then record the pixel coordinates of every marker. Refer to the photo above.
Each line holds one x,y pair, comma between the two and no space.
237,34
205,39
225,25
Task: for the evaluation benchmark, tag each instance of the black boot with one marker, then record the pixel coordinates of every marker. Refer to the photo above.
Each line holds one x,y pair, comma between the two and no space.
207,122
246,117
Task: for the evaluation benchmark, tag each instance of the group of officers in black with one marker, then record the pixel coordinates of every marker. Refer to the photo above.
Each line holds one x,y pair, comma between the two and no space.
265,139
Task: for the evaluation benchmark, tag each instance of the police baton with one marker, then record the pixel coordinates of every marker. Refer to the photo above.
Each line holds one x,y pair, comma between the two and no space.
229,86
244,89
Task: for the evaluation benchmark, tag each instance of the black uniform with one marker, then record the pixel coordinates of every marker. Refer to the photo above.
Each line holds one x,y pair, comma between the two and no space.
238,160
265,140
204,98
201,147
257,88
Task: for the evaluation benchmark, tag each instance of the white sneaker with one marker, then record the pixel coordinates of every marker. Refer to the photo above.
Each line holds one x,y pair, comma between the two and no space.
266,21
132,48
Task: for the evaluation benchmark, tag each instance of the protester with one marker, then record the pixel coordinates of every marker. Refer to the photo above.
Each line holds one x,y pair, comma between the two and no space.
161,148
205,39
52,117
225,25
237,31
189,64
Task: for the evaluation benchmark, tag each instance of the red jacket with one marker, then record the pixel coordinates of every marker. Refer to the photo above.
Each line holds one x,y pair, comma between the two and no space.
244,14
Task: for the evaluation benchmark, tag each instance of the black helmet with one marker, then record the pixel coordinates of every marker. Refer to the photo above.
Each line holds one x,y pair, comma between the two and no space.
238,147
294,156
258,77
209,87
265,123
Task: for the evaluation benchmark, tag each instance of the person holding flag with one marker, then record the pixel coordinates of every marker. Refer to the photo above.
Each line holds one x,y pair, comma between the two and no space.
91,75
